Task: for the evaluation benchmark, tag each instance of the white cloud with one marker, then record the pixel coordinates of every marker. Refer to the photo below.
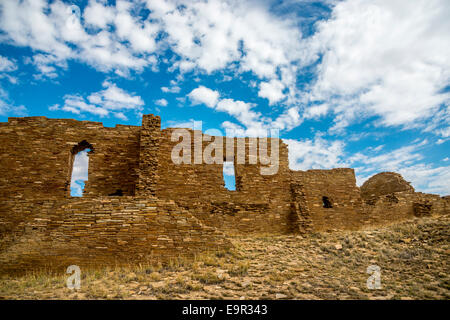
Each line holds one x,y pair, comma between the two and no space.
228,168
375,58
47,65
56,30
254,122
161,102
76,104
427,178
203,95
272,90
7,65
140,34
445,132
172,89
112,100
233,130
209,36
54,107
8,109
205,35
121,116
383,58
99,15
240,110
389,161
289,119
316,111
315,154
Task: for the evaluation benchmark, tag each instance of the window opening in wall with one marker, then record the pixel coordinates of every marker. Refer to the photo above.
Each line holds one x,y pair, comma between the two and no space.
118,192
326,202
79,173
229,175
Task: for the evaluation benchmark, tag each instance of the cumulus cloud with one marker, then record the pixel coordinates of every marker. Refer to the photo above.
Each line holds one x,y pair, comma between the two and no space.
383,58
240,110
222,29
112,100
427,178
172,89
369,58
205,36
7,65
316,153
161,102
272,90
255,123
57,30
203,95
212,35
47,65
228,168
8,109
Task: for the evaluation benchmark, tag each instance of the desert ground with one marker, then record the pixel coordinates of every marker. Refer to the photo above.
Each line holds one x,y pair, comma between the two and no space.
413,258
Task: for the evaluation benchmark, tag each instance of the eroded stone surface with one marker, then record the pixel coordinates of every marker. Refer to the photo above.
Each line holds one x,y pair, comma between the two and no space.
384,183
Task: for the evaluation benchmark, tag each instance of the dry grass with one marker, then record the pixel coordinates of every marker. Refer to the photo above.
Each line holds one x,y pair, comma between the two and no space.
413,258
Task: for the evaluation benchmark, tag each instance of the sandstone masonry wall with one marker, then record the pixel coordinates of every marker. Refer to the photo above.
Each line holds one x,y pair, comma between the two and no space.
36,157
167,209
148,155
338,187
261,203
99,231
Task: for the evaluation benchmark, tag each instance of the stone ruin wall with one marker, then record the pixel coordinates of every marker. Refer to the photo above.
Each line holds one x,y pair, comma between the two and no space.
166,210
339,187
36,157
352,209
259,204
55,233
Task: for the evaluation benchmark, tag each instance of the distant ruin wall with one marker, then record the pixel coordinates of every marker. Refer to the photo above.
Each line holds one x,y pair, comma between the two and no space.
384,183
331,196
347,210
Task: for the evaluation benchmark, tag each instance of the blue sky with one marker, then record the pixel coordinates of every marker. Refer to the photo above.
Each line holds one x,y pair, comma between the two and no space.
361,84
